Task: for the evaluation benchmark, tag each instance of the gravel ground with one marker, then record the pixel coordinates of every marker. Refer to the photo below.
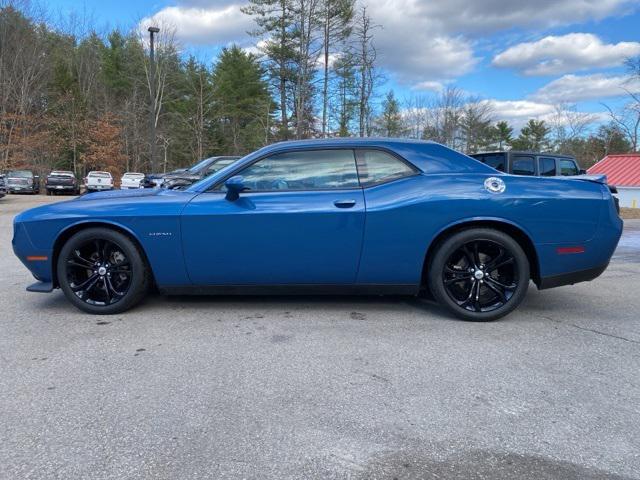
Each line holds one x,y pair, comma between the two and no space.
362,388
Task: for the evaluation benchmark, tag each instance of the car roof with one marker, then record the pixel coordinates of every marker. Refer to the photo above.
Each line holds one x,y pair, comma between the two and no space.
523,152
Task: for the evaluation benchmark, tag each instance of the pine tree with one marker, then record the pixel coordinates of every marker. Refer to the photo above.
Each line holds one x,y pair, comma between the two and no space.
390,124
533,137
503,134
274,19
337,17
243,104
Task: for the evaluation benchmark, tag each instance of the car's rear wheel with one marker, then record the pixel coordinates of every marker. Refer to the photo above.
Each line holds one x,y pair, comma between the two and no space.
102,271
479,274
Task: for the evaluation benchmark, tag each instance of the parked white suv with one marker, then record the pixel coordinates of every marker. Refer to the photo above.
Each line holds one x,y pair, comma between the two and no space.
131,180
96,181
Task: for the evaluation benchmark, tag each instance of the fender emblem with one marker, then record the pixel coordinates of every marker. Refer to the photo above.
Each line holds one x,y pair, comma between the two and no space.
160,234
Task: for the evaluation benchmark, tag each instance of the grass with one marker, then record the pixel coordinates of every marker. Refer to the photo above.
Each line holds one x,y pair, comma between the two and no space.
630,213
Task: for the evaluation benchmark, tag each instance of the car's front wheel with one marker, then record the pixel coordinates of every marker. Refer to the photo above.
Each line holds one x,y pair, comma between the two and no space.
102,271
479,274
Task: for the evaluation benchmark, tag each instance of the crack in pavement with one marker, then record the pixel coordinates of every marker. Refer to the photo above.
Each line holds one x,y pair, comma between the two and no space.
598,332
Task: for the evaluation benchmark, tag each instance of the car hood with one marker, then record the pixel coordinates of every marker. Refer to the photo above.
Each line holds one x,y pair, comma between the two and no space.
182,175
117,194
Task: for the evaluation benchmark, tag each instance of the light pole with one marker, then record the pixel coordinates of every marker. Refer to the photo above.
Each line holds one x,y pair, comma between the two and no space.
152,92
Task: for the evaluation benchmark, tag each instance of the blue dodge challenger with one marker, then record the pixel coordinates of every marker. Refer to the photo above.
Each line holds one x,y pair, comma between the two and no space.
345,216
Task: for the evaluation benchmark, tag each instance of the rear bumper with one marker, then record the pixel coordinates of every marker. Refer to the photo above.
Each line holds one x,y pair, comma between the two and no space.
61,188
572,277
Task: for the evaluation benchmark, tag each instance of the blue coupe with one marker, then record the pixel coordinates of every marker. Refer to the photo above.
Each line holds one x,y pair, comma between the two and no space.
344,216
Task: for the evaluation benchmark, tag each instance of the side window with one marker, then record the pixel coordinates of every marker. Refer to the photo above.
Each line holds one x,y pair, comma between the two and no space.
547,166
568,167
310,170
495,161
375,166
523,165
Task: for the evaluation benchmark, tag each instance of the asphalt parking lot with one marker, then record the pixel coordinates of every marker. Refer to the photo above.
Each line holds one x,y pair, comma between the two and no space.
362,388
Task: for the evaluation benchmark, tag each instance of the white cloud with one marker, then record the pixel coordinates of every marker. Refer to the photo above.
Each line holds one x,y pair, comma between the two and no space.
575,88
432,86
482,16
518,112
195,25
555,55
421,42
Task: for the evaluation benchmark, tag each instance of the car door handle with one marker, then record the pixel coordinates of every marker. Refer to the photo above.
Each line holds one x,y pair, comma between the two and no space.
344,203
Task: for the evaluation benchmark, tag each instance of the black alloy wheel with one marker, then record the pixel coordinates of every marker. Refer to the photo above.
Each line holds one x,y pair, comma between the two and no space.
479,274
102,271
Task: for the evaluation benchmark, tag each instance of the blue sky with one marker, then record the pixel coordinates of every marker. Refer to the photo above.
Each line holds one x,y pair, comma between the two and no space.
525,56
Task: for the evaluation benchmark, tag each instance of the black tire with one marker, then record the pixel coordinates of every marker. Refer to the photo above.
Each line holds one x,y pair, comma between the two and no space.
483,292
108,265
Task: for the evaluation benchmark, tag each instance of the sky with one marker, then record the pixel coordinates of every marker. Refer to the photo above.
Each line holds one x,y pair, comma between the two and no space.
524,56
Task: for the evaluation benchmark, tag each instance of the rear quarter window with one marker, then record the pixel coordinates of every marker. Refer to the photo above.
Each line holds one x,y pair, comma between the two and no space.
376,166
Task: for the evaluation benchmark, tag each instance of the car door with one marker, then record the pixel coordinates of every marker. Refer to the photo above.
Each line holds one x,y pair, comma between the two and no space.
300,221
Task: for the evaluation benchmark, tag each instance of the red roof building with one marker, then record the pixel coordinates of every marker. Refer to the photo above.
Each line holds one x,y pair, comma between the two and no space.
621,170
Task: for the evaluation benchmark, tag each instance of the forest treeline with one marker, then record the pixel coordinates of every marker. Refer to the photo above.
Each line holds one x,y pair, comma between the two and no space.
79,100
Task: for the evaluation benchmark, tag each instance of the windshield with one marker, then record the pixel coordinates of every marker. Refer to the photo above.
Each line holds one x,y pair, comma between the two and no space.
20,174
227,165
200,165
219,165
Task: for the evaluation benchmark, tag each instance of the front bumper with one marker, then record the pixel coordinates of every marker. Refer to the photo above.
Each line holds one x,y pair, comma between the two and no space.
21,189
37,260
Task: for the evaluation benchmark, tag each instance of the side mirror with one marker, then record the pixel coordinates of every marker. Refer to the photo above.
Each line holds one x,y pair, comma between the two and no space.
234,185
582,172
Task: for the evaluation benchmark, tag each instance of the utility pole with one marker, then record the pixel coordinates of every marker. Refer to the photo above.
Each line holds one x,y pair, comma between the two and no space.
152,92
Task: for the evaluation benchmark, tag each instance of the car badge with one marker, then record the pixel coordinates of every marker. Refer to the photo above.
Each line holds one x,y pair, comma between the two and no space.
494,185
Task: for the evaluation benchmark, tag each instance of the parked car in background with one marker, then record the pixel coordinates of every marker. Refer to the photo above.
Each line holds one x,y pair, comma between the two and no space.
336,216
131,180
61,181
184,178
23,181
96,181
531,163
3,186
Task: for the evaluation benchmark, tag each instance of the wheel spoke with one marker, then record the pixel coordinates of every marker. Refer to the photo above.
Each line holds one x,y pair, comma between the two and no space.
470,296
476,255
493,281
494,266
105,249
458,277
121,270
85,285
497,291
79,259
73,263
112,289
468,256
